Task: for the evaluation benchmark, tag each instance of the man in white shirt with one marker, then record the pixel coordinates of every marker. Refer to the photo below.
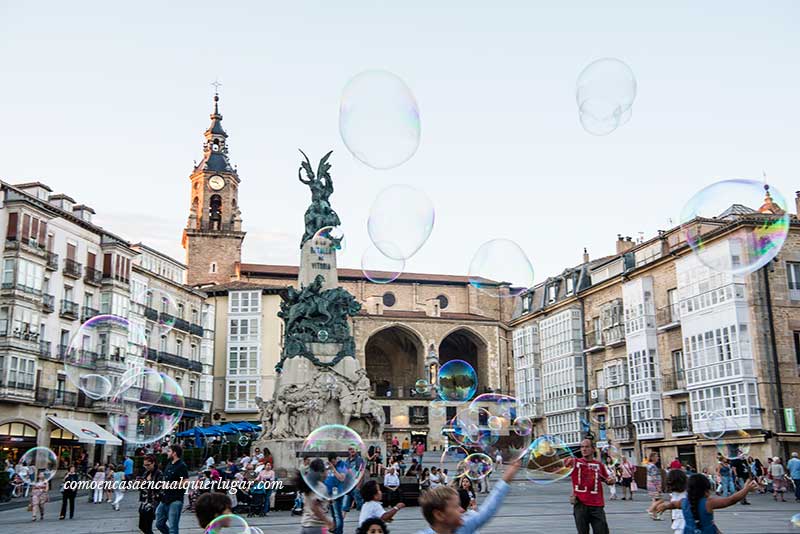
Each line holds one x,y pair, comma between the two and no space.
244,461
210,462
435,478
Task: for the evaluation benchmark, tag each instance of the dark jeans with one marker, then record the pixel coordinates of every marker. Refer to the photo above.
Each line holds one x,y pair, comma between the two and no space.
590,515
68,496
796,487
168,517
338,516
266,501
354,495
146,520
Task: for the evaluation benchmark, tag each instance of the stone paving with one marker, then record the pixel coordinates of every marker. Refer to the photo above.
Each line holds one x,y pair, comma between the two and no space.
528,508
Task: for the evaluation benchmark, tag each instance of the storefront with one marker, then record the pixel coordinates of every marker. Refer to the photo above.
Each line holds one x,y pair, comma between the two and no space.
66,446
73,435
16,438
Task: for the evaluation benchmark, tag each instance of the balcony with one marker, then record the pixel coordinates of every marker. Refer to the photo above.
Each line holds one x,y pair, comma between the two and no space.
166,318
93,276
151,313
87,313
668,317
13,287
681,424
196,330
614,336
593,341
69,309
173,359
56,397
48,303
197,367
72,268
46,351
27,245
25,333
52,261
714,297
182,325
674,383
114,354
398,391
190,403
18,391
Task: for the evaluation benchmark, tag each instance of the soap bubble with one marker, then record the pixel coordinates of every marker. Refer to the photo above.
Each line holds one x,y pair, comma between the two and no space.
438,406
457,381
475,466
161,308
339,440
330,236
147,406
747,248
469,428
243,440
452,454
40,460
605,92
523,426
495,423
598,413
500,268
379,268
379,119
497,404
400,221
546,460
796,520
715,425
422,386
734,444
104,347
612,452
322,336
229,524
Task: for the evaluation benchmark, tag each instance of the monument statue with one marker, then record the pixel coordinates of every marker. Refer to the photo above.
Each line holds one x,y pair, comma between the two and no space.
319,380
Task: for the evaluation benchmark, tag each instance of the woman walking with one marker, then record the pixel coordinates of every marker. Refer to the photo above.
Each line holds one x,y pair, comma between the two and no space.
777,474
97,483
626,470
726,477
39,496
69,492
653,485
118,477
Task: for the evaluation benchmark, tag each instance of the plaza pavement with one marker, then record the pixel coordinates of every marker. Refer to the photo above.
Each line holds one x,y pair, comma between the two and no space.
527,509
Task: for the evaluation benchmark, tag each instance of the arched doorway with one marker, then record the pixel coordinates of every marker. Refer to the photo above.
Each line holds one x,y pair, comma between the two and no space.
394,361
462,344
16,438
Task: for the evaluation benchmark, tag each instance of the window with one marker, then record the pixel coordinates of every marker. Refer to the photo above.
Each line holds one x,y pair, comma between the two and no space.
193,389
389,300
241,394
4,322
180,310
552,291
242,360
243,329
443,302
8,273
163,344
796,342
387,414
244,302
195,353
570,285
179,347
88,300
67,293
672,298
793,276
212,268
105,303
21,372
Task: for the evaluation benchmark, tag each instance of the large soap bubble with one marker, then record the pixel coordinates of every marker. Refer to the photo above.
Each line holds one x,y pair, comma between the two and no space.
400,221
40,460
104,347
475,466
746,249
379,119
336,460
379,268
605,92
147,406
499,264
546,460
457,381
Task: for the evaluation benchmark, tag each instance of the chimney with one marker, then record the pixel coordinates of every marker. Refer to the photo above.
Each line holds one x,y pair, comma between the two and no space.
797,203
624,244
585,256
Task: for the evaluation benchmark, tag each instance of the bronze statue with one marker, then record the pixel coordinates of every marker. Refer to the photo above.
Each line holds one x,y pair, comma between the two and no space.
319,214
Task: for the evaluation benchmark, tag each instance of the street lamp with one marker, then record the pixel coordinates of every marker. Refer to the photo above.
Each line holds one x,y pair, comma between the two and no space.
432,365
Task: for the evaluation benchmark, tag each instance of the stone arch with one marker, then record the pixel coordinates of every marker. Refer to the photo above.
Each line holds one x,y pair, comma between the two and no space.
28,422
464,343
394,357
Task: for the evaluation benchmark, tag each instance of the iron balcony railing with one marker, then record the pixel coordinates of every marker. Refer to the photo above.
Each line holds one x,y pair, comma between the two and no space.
681,423
87,313
593,340
69,309
72,268
196,329
151,313
48,303
56,397
52,261
197,367
93,276
173,359
674,381
668,315
45,349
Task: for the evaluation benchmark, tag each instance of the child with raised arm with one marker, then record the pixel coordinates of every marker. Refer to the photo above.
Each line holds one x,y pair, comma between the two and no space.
698,506
442,510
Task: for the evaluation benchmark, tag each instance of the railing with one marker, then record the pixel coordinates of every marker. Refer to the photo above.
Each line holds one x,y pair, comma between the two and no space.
614,334
69,309
173,359
182,325
593,340
48,303
52,261
196,329
72,268
151,313
190,403
674,381
399,391
26,333
93,276
30,244
668,315
45,349
197,367
681,423
87,313
114,355
56,397
17,385
21,287
166,318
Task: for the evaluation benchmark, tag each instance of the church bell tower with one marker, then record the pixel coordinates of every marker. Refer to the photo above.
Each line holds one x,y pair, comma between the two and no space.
213,235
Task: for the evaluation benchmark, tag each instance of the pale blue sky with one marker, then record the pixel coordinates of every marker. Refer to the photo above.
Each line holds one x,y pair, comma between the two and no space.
107,102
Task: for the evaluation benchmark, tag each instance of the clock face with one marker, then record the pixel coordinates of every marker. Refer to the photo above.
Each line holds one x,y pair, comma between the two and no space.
216,182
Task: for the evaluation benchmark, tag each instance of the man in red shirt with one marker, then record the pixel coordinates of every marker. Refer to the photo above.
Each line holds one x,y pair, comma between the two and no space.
588,476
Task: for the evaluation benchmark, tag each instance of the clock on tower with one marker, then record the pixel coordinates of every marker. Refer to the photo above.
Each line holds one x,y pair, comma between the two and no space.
213,235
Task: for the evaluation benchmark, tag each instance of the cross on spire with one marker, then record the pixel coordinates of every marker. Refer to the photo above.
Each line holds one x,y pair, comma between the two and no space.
217,84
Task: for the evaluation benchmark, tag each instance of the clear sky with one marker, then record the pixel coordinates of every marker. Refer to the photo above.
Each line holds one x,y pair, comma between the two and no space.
107,102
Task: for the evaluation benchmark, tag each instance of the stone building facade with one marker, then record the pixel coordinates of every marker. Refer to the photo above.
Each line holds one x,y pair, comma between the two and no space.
669,343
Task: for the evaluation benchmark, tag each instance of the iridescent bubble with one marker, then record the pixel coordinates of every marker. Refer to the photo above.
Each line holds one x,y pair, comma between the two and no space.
495,423
498,405
796,520
40,460
243,440
400,221
523,426
605,92
379,119
343,442
734,444
329,236
546,460
452,454
438,406
747,248
379,268
322,336
161,309
104,349
457,381
612,452
714,424
228,524
475,466
598,413
422,386
146,407
500,268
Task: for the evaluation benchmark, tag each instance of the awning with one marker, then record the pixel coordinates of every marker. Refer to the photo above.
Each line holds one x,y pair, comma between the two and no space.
87,431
